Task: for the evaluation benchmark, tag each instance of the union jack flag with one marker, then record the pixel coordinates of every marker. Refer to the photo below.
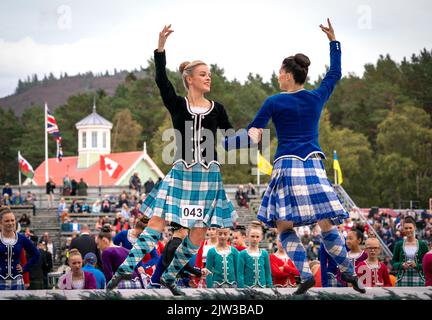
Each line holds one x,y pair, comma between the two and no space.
52,129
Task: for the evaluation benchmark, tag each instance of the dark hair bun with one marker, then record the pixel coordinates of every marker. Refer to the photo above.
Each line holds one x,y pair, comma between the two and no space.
302,60
106,228
183,66
410,219
360,227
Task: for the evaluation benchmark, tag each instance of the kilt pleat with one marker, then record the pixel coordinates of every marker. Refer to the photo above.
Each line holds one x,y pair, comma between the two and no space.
191,186
12,284
410,278
299,191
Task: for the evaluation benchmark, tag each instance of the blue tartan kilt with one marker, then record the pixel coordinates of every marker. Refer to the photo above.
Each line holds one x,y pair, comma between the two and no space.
299,191
195,186
12,284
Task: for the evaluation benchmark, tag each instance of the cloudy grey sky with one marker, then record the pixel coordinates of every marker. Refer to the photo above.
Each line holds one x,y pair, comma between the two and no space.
242,36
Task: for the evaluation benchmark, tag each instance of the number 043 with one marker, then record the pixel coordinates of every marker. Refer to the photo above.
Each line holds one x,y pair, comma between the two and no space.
192,212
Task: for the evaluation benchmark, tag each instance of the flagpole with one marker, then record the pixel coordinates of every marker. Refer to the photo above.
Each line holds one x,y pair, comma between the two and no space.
258,172
46,143
100,177
19,170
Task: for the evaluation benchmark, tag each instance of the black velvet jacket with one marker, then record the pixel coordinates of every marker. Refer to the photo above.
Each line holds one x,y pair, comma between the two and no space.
196,132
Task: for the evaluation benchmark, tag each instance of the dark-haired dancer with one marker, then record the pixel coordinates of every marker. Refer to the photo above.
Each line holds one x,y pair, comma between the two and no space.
192,193
408,257
299,192
112,257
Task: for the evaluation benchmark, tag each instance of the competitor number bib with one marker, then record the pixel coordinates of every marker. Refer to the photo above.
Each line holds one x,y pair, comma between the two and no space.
192,212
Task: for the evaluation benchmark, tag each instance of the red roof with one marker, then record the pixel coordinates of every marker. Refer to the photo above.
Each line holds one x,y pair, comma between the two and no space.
57,170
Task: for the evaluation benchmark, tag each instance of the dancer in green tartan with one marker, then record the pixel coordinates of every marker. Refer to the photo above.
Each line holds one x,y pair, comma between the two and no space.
408,256
192,193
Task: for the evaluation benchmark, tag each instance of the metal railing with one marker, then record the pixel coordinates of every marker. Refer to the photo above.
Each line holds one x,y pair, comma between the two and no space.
349,205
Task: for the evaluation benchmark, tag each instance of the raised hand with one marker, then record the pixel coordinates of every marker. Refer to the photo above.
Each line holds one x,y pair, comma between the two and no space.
328,30
163,36
255,135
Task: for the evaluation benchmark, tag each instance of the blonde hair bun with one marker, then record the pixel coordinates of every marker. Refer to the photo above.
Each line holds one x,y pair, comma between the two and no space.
183,66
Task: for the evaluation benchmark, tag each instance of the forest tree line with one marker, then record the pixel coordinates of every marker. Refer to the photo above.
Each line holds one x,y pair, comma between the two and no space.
379,123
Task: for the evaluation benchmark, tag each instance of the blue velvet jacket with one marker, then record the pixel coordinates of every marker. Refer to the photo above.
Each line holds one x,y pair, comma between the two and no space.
296,115
10,256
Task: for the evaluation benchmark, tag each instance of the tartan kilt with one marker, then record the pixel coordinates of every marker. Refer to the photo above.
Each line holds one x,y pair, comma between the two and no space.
12,284
299,191
131,284
191,186
410,278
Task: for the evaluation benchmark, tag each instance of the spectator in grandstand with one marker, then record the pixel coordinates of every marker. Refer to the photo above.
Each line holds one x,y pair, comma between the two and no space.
82,188
75,226
30,200
85,208
7,190
372,272
17,199
64,217
39,271
123,200
11,249
389,241
251,191
75,207
96,207
125,211
50,246
136,210
135,184
148,185
85,243
76,278
74,184
61,206
90,261
120,223
6,200
101,221
67,185
49,187
241,197
408,256
106,206
142,198
24,221
283,271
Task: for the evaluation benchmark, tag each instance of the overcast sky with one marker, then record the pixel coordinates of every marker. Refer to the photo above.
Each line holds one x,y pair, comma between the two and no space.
241,36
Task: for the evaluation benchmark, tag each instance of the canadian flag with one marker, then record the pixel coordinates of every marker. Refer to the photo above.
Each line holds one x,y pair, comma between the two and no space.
110,166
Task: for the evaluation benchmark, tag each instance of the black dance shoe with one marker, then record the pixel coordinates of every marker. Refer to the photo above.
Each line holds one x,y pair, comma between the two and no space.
305,286
115,280
172,287
354,281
